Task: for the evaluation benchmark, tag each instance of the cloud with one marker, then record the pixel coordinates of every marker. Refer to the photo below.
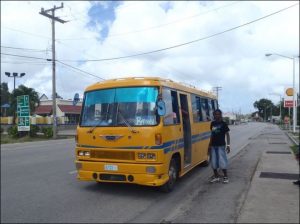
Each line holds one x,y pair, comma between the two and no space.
234,60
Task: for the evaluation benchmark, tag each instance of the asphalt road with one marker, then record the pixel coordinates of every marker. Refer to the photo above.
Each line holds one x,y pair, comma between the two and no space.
38,184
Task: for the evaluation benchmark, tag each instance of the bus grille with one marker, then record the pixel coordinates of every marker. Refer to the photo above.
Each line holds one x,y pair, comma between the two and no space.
112,155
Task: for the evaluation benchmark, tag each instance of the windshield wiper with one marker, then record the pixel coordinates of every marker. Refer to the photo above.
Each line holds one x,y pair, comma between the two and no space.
93,127
127,123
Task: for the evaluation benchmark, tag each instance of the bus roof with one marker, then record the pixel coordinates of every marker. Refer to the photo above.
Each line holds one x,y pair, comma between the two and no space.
148,81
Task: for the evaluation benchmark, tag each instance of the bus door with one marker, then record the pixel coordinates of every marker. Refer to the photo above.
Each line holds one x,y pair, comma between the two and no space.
186,126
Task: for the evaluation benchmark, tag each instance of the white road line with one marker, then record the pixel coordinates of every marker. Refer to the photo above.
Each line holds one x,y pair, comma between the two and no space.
72,172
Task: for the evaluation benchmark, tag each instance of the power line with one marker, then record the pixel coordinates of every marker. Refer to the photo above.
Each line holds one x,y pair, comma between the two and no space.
158,26
21,31
172,22
167,48
78,69
189,42
24,56
19,63
94,13
25,49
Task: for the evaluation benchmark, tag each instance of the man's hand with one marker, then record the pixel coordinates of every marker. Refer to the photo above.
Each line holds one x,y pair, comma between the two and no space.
209,149
228,148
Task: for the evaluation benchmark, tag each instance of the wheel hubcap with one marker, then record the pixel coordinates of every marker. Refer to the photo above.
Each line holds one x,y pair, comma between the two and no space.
172,175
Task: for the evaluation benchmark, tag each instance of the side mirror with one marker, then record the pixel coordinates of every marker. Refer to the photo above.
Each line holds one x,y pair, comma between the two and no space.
161,107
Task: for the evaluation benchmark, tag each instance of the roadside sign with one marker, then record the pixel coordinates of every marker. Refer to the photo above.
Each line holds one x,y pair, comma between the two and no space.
288,93
289,103
23,111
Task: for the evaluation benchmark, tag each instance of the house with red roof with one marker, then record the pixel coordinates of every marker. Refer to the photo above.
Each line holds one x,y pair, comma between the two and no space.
65,110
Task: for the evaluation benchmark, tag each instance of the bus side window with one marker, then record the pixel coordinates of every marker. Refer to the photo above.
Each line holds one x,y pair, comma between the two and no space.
205,109
172,111
196,108
175,106
213,105
210,110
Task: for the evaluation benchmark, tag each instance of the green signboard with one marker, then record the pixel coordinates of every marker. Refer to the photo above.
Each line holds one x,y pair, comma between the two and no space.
23,111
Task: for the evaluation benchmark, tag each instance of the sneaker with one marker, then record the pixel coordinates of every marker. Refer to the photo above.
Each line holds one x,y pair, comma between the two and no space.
297,182
214,179
225,180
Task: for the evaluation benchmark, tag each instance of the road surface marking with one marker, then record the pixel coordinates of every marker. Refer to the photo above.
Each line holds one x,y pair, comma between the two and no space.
72,172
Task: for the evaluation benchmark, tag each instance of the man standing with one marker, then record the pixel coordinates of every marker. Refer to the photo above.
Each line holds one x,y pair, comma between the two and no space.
218,147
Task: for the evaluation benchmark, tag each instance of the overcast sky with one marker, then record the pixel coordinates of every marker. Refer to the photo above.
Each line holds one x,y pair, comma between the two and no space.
234,60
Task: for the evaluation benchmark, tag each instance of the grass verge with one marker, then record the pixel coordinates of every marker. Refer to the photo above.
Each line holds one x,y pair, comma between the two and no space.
6,139
295,149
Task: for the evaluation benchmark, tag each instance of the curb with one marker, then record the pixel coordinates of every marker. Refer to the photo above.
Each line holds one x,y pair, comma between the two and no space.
245,196
292,139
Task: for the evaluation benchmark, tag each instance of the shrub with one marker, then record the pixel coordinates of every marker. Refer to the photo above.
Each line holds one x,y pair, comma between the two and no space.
34,129
13,131
48,132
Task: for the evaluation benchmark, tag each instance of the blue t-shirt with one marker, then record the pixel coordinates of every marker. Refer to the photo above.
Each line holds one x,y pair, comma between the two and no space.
218,130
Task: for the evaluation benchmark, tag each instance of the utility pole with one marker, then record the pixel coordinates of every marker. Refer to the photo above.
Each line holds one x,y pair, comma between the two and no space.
53,18
216,89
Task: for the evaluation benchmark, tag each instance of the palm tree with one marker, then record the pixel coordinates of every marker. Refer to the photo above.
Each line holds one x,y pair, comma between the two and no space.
34,100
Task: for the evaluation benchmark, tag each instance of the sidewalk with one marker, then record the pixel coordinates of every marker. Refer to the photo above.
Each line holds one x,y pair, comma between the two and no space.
67,132
272,197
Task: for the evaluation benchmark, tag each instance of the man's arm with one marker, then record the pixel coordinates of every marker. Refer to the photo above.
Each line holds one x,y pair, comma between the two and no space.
228,142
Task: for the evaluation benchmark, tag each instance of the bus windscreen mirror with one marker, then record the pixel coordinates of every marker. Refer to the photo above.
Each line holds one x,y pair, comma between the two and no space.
161,108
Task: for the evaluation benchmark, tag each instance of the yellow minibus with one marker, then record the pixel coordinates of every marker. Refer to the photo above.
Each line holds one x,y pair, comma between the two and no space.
142,130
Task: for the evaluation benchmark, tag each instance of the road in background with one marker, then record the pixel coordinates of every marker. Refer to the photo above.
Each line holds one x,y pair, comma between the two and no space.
38,184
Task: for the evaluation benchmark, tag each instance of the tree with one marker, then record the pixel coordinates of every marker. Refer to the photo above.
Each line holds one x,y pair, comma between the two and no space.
34,100
264,107
5,96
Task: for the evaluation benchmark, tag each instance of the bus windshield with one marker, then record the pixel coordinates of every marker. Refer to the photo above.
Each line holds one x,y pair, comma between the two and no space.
130,106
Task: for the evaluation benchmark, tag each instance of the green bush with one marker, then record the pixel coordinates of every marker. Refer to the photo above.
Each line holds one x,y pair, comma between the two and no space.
48,132
34,129
13,131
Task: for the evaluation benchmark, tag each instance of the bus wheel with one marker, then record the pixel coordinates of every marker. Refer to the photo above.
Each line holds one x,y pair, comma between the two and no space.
173,174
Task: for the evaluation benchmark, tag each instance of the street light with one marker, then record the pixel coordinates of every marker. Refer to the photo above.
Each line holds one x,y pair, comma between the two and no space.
14,75
294,106
277,94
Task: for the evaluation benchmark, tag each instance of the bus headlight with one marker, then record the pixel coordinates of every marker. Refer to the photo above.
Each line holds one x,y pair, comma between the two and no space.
146,156
80,153
141,155
151,156
84,153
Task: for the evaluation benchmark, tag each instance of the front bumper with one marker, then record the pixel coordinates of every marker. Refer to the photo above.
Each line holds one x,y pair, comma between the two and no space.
125,173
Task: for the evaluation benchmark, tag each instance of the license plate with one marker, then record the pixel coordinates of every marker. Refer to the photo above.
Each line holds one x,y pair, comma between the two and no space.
111,167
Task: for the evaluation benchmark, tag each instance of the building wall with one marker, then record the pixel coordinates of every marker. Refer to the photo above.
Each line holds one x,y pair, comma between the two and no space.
59,113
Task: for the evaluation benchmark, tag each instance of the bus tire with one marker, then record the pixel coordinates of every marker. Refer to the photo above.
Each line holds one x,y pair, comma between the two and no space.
173,175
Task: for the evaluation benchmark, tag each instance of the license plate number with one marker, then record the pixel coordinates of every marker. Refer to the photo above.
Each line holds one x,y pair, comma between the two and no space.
111,167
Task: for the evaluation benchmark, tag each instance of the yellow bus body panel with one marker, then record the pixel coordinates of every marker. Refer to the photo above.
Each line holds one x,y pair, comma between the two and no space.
122,154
